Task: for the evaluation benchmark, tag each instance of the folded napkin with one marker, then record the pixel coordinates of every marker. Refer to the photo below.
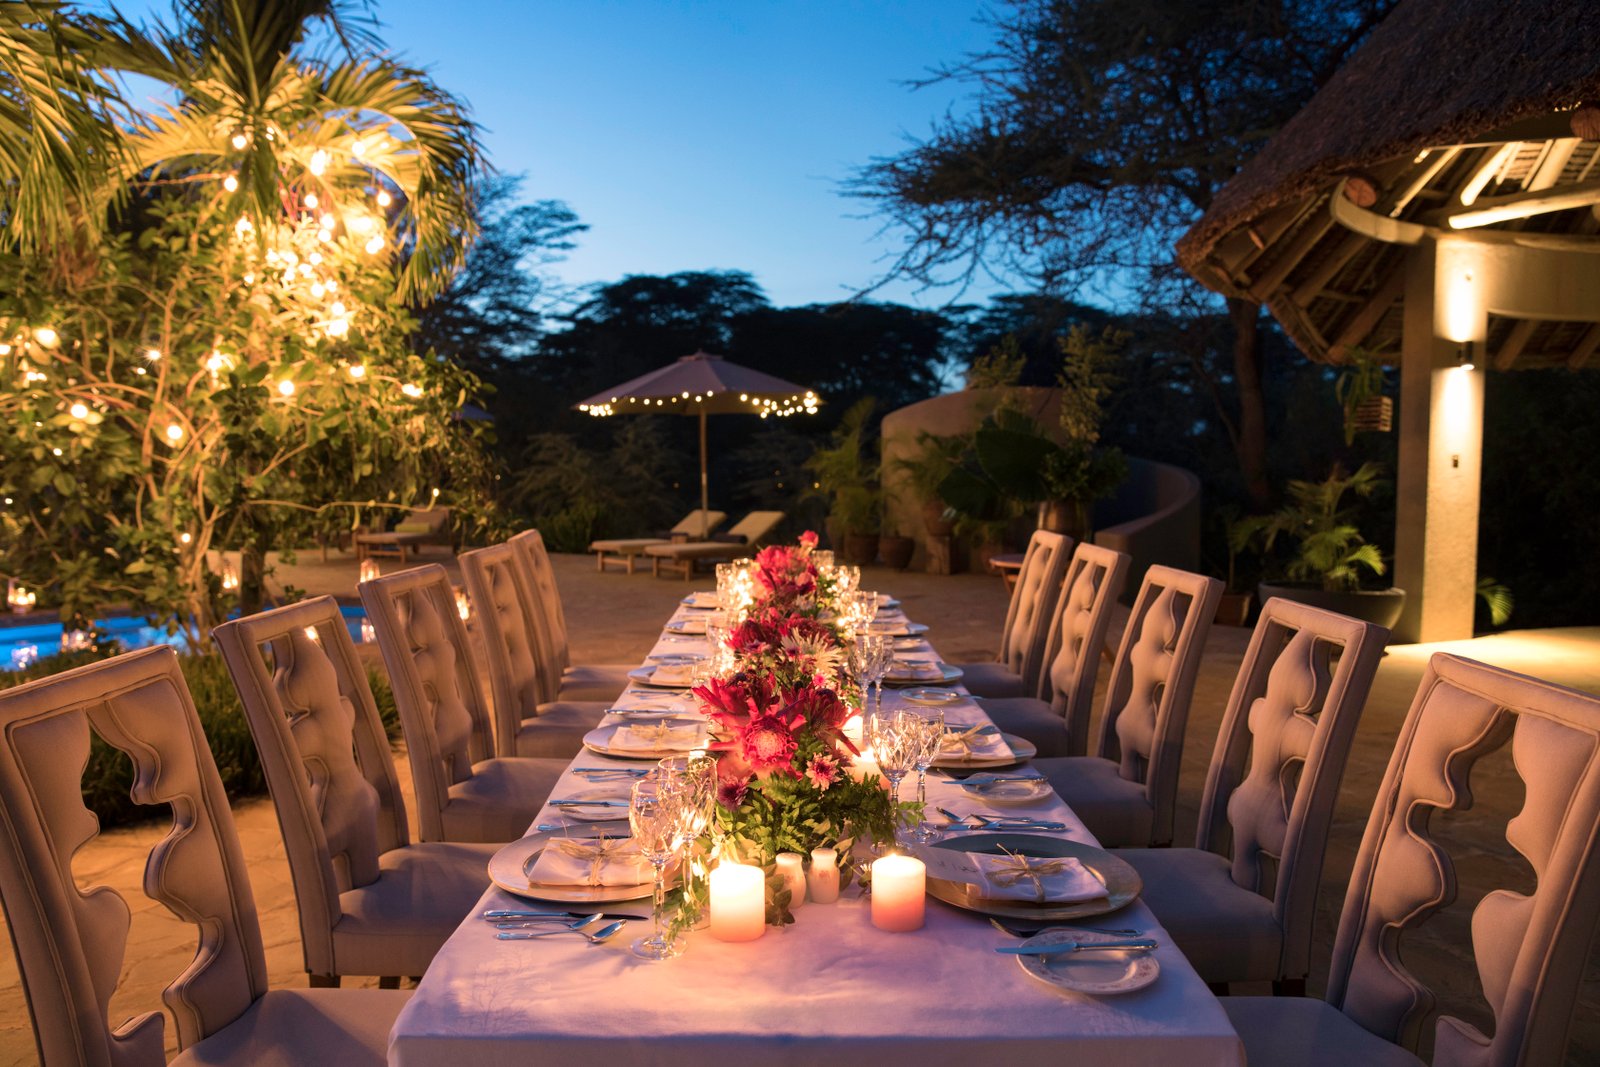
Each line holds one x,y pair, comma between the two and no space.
689,624
982,741
916,670
892,628
656,737
590,861
1044,879
676,675
703,599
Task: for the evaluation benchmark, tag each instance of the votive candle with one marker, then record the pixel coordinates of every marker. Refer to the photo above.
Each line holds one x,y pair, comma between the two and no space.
899,893
822,883
862,765
738,902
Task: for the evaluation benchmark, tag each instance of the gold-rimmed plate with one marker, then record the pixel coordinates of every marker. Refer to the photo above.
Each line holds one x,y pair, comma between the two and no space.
646,676
1022,750
599,740
1122,882
508,869
949,674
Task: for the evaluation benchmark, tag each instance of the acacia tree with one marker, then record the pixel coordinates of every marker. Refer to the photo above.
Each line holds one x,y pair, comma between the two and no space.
232,358
1100,130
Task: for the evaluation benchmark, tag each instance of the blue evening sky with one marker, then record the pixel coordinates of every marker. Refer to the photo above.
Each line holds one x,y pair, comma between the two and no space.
700,135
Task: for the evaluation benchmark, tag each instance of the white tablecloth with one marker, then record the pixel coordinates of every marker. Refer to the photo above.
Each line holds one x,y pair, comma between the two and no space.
830,989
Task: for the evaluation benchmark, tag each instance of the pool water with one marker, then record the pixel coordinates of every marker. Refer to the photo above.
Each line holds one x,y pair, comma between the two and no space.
21,645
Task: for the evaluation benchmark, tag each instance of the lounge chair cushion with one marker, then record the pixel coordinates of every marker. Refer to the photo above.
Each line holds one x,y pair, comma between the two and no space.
413,527
626,546
992,680
294,1027
1298,1032
589,682
396,924
500,800
697,550
1227,932
1031,719
1115,809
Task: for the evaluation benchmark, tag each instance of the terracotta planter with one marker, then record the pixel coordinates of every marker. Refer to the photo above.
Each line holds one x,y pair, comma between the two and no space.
896,551
860,549
1233,609
1381,606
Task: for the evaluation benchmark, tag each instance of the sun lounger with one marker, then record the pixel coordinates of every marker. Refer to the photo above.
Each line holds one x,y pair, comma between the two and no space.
429,527
749,533
624,550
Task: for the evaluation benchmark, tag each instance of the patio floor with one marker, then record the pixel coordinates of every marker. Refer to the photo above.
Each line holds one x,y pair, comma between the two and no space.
615,618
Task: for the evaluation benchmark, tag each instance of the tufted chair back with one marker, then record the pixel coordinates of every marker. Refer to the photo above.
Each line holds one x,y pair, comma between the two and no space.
1077,633
324,752
1280,755
506,613
1530,950
1152,683
71,942
1033,599
555,657
436,687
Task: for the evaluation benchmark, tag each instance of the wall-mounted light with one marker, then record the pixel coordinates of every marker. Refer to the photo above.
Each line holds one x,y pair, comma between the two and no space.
1465,356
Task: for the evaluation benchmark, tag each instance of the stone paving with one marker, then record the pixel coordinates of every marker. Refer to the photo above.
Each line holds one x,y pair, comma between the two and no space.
615,618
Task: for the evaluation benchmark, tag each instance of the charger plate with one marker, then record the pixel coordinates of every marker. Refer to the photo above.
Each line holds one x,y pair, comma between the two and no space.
599,740
949,675
509,869
1123,884
645,676
1022,750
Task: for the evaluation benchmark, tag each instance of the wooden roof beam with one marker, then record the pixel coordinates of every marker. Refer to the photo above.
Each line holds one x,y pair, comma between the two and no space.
1309,289
1516,340
1297,249
1365,320
1586,347
1526,205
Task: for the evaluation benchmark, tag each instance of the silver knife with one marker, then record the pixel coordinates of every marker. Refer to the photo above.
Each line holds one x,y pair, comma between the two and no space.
1143,944
574,803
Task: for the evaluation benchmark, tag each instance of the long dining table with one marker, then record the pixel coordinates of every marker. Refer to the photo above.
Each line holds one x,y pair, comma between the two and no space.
830,988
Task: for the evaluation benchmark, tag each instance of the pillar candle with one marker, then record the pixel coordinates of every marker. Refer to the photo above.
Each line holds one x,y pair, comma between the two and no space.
738,902
899,889
862,765
822,883
791,868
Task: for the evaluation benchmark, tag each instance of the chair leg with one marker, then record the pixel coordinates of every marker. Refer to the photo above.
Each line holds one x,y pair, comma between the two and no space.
1289,987
389,981
324,981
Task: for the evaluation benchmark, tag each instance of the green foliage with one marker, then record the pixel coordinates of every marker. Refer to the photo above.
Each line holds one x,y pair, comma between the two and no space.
1000,367
846,473
1497,599
575,494
1359,382
1329,547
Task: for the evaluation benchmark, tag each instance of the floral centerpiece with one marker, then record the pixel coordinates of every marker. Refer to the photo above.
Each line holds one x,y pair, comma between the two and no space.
778,721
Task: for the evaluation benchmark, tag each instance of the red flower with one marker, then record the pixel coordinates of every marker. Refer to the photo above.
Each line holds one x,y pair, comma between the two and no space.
731,791
808,540
822,771
767,743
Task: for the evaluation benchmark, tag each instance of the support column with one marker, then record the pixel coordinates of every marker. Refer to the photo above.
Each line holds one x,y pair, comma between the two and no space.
1440,469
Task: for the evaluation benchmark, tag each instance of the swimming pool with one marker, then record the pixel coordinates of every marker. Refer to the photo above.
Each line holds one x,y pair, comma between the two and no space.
21,645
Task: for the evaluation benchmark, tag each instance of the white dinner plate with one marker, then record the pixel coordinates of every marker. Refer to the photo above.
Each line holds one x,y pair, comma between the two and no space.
701,601
676,659
897,629
887,602
646,676
933,698
1099,973
1008,792
692,624
509,869
1021,750
599,740
948,675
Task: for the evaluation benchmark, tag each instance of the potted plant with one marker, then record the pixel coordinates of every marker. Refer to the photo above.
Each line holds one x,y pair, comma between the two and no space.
1330,554
1233,609
926,471
847,478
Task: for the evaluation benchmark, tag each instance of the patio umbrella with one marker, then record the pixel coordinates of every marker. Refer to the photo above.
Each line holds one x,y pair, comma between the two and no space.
703,384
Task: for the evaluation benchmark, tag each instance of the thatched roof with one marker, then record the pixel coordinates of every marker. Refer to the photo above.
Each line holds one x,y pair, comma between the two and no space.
1435,75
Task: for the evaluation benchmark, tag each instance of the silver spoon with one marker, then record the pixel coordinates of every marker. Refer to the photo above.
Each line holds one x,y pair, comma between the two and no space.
561,923
605,933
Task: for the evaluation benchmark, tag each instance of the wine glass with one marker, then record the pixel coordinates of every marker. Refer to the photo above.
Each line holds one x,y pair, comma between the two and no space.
929,731
881,649
696,774
893,746
655,814
867,662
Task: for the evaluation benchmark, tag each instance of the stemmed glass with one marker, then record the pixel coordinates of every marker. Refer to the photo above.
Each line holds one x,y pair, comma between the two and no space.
870,657
697,775
929,731
894,740
656,816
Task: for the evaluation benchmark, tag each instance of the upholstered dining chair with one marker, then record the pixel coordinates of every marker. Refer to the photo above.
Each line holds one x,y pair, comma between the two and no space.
464,792
70,942
1530,948
1240,903
370,900
560,678
1127,792
506,612
1056,716
1015,669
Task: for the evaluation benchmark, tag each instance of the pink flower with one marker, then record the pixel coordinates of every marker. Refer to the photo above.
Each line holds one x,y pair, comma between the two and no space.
731,791
822,772
768,743
808,540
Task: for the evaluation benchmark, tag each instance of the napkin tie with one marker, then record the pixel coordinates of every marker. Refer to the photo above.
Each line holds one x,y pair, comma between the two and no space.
596,851
965,738
654,733
1015,869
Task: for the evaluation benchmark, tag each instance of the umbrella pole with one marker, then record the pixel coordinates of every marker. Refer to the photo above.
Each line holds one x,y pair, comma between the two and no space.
705,492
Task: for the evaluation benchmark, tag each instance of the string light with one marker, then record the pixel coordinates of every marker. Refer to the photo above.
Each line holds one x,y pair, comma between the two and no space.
412,390
358,370
384,199
240,140
185,538
79,411
319,162
152,354
359,224
286,388
231,184
375,245
311,201
46,336
5,350
174,432
338,327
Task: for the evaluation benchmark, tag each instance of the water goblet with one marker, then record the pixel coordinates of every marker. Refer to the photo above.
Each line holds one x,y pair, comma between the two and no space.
929,731
655,814
697,774
881,649
891,738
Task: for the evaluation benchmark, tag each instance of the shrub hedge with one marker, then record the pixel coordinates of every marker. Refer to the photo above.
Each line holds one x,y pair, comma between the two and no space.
109,774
